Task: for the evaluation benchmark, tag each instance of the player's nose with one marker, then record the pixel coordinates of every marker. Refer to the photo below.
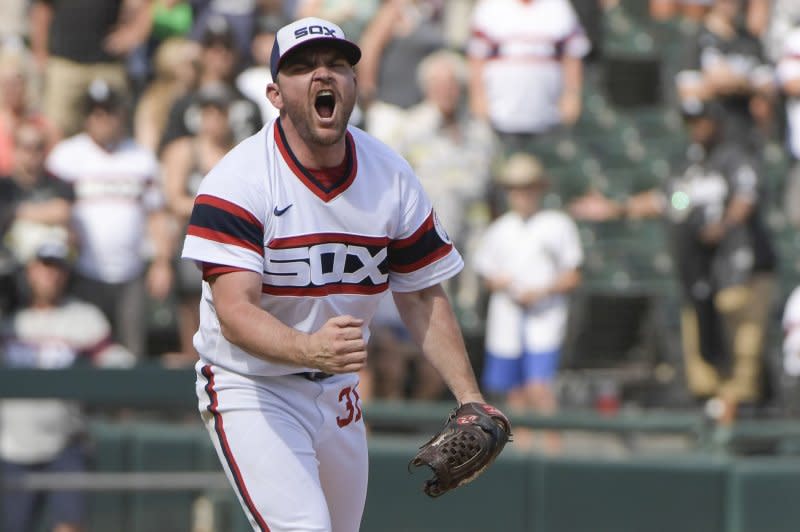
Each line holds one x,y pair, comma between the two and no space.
322,72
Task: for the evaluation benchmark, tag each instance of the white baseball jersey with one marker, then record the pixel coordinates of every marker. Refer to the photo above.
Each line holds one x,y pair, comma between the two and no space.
323,252
789,70
114,190
791,328
523,43
533,253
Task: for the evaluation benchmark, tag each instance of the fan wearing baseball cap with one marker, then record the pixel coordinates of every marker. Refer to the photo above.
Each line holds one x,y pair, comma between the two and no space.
301,230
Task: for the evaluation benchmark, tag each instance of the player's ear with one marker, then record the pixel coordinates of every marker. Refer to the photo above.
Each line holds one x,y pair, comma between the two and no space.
275,96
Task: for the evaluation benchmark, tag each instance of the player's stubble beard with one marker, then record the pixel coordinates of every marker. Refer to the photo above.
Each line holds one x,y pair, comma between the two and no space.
304,117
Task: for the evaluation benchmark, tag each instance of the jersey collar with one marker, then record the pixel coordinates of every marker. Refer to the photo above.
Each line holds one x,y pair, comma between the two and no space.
326,194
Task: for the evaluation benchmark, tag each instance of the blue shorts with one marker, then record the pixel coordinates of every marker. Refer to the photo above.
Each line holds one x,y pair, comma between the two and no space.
504,374
21,509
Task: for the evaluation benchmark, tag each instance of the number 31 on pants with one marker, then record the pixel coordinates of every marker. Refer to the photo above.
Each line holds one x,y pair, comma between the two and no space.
349,397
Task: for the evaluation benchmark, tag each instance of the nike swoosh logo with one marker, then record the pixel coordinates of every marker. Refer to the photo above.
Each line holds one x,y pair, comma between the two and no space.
279,212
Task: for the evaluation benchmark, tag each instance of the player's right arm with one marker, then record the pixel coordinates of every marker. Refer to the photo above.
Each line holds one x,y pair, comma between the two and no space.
337,347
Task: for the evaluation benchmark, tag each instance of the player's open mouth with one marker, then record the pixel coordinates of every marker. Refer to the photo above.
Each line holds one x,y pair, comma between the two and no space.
325,103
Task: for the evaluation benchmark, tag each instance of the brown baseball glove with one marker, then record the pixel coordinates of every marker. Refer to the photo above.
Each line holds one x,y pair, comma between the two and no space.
470,440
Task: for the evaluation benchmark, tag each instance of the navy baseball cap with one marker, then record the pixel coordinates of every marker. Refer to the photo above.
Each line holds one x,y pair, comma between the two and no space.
306,31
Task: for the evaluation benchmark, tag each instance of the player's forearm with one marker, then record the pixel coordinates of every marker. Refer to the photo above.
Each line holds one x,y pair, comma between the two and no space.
261,334
433,326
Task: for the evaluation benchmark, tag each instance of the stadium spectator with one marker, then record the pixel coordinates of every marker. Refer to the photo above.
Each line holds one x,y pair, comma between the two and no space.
185,162
530,260
33,203
73,48
219,61
172,19
350,15
176,65
784,17
526,67
725,262
726,64
789,82
452,153
16,108
692,10
252,81
117,211
238,16
791,329
756,18
52,331
401,34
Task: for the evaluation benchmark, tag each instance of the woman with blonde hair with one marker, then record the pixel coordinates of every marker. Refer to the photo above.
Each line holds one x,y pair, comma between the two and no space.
176,70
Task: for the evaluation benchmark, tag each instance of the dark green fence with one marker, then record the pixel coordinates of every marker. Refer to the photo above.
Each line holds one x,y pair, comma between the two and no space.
698,491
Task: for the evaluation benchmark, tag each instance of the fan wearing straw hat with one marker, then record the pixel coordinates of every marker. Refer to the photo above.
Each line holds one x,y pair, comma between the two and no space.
529,258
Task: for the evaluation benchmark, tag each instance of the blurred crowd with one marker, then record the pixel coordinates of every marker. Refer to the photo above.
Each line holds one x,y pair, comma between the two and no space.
112,111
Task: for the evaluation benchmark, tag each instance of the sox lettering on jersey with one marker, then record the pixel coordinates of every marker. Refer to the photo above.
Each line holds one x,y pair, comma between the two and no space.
324,264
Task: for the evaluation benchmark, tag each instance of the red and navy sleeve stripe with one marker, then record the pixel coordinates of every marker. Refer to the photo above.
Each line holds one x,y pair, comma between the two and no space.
422,248
211,270
222,221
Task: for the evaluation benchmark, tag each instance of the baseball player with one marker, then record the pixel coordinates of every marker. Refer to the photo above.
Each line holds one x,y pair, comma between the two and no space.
300,230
